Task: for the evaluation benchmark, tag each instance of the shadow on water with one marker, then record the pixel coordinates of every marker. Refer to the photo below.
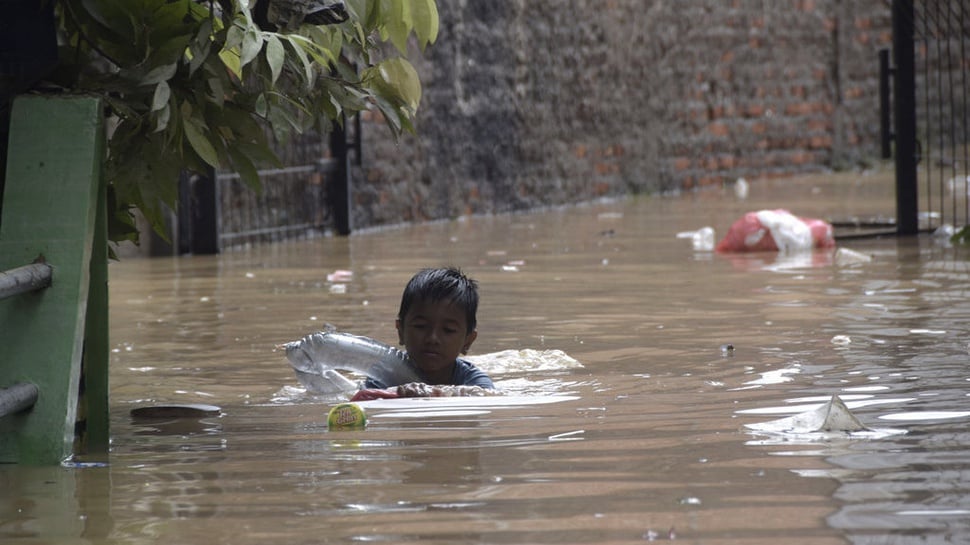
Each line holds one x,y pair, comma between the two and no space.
644,440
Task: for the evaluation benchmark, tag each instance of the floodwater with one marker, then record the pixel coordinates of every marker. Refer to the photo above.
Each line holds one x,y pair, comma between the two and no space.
644,440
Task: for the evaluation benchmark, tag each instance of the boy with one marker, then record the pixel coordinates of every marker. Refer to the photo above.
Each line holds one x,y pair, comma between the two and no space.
436,323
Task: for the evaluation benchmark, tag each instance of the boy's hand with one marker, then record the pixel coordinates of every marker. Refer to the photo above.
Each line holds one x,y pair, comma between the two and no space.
420,389
368,394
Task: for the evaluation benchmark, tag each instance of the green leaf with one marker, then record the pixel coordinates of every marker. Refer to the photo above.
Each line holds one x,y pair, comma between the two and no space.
161,96
261,107
424,17
217,92
296,44
195,133
357,9
259,153
162,118
327,40
245,168
230,58
275,55
391,114
200,46
398,25
160,73
403,80
252,44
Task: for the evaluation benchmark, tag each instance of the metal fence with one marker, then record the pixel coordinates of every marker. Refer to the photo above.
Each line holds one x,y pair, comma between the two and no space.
308,196
931,102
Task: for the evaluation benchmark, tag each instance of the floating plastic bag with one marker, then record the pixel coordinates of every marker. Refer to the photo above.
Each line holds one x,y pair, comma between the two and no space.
778,231
702,239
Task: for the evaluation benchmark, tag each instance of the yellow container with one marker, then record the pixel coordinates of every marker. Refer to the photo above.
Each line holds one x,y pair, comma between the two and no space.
346,416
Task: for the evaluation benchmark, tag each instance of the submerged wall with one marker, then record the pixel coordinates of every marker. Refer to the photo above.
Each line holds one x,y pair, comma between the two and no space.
541,102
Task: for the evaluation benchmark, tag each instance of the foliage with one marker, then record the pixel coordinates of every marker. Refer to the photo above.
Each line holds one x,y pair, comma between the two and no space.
196,84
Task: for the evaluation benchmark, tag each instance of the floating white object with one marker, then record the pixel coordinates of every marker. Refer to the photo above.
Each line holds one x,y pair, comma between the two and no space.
702,239
845,257
841,340
741,189
831,417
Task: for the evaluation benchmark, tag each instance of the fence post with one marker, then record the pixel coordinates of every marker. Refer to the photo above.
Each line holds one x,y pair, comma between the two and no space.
885,105
198,213
338,183
904,110
54,205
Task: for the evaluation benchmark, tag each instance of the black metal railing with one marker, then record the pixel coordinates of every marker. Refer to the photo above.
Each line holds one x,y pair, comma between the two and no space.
310,194
930,105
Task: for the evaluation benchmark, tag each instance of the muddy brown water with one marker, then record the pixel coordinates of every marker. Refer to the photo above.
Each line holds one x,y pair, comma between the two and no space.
646,441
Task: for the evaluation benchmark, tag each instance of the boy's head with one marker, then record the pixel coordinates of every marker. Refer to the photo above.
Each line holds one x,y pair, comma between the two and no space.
436,322
448,285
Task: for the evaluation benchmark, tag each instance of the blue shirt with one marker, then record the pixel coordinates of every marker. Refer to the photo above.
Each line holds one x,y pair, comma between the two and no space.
464,374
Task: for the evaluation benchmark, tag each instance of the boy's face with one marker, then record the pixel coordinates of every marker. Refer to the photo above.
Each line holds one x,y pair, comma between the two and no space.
434,334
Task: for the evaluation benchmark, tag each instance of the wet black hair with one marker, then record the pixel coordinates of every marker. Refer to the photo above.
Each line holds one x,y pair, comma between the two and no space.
444,284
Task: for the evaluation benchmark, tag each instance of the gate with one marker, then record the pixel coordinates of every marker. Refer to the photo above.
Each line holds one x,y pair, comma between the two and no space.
931,44
308,196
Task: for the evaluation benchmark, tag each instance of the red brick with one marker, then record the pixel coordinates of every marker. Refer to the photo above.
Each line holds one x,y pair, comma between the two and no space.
708,181
726,162
606,168
820,142
818,125
799,108
718,129
801,158
854,92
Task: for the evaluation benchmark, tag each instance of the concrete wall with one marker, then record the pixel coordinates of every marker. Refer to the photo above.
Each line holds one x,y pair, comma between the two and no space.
542,102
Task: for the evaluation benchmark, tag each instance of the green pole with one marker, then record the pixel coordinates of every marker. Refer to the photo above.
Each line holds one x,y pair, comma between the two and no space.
53,201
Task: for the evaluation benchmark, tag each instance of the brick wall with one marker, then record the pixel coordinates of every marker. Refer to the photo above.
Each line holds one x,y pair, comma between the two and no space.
543,102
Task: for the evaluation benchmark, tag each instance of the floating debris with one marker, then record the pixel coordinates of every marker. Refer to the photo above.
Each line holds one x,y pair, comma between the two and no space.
831,417
187,410
845,257
841,340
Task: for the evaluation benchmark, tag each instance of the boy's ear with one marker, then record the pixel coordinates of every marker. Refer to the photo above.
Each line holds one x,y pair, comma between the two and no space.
400,334
469,339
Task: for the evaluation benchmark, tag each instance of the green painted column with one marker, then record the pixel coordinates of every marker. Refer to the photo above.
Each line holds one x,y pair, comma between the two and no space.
51,203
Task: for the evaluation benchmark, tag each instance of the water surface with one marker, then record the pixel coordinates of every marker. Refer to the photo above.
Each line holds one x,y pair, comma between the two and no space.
646,440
